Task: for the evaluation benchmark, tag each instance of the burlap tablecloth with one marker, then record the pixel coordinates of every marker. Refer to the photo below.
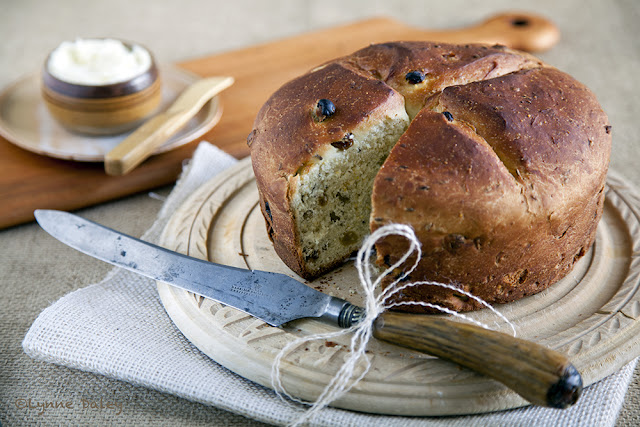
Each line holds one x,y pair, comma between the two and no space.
600,46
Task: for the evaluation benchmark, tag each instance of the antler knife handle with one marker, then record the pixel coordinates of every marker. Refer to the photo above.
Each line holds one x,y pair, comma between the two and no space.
542,376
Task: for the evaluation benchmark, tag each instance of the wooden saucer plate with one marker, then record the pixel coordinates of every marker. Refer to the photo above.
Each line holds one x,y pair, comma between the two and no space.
591,315
26,122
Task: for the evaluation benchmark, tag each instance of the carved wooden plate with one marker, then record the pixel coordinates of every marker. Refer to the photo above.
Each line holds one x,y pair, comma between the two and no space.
591,315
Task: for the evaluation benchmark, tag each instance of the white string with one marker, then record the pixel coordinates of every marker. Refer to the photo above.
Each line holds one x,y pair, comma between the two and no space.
156,196
375,305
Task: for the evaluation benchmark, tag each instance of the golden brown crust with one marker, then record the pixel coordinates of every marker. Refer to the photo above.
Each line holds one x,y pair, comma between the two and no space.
505,194
442,64
504,191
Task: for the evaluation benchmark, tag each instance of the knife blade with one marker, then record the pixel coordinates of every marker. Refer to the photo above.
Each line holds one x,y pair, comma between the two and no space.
542,376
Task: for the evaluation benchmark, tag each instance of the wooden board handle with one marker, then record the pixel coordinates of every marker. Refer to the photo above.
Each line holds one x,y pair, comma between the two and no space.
517,30
542,376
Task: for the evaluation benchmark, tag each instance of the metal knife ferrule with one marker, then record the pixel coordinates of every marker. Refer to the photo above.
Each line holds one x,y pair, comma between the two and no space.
342,313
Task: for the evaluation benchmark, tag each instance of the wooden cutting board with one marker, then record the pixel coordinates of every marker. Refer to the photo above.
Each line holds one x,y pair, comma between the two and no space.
592,315
30,181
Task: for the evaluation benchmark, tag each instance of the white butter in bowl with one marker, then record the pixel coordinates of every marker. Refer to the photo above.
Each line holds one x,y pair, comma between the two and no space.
98,61
100,86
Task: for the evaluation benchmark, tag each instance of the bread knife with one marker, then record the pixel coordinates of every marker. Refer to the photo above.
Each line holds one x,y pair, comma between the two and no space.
542,376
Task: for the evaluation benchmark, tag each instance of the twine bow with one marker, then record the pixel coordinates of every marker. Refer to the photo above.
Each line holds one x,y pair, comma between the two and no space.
376,302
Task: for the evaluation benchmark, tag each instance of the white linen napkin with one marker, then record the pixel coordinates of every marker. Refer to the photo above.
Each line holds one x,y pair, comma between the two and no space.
119,328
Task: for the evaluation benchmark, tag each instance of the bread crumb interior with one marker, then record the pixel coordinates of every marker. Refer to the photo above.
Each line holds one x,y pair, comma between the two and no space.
333,202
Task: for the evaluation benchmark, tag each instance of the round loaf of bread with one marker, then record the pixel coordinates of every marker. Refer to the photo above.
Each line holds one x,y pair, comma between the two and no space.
497,160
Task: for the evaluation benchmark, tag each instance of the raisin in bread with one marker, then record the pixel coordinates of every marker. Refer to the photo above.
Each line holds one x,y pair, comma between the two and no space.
497,161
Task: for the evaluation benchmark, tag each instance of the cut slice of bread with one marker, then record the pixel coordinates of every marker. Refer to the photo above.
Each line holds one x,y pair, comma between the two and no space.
316,171
331,198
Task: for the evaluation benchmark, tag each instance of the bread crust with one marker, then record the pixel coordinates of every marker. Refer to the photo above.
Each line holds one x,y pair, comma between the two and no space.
442,64
505,195
504,191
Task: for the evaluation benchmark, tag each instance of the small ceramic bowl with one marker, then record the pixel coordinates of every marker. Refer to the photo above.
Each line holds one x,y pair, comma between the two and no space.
107,109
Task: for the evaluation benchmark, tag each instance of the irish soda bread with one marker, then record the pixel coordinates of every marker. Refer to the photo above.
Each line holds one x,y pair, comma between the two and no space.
496,160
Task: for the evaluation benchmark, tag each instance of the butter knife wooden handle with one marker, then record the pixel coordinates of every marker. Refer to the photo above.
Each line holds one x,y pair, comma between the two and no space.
542,376
137,147
144,140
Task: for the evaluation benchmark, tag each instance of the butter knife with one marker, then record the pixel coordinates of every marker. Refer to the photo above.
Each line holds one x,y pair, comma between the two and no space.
134,149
